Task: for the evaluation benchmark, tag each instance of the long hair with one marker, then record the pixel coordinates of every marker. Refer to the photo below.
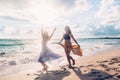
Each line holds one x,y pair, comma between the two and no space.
69,31
45,35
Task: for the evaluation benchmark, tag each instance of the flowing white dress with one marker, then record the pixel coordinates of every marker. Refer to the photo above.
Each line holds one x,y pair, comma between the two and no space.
47,54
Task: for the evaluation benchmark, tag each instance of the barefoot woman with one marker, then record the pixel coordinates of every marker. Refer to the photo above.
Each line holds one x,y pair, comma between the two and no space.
68,45
46,54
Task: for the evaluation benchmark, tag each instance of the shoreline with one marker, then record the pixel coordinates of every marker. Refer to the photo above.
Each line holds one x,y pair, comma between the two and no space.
95,62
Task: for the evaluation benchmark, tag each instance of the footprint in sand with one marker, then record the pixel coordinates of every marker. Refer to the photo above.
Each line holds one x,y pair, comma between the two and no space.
81,66
28,74
91,65
103,65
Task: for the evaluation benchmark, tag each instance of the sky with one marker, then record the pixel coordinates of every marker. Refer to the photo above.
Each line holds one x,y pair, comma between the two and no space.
86,18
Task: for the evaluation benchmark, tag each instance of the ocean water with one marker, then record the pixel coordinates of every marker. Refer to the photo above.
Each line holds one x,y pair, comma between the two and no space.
25,53
32,46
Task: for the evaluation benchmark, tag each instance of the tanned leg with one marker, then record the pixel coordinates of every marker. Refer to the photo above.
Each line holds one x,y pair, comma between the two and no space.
72,60
44,66
67,51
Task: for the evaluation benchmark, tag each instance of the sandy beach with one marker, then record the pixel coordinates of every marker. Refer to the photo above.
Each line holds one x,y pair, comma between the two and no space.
101,66
38,35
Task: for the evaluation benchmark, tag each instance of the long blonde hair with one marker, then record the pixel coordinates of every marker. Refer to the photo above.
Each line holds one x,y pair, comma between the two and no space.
68,28
45,35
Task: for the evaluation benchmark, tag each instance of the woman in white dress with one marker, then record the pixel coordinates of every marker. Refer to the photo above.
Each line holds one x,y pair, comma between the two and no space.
46,54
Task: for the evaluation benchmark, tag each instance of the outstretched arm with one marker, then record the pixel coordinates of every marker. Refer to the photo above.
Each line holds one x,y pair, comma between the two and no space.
75,40
52,33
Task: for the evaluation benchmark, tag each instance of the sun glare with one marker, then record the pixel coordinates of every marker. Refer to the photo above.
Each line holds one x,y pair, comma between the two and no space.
43,13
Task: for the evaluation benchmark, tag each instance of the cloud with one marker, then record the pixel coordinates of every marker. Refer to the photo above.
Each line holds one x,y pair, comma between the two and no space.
15,4
12,32
1,28
109,12
25,17
106,31
42,10
12,18
9,30
88,30
70,7
14,14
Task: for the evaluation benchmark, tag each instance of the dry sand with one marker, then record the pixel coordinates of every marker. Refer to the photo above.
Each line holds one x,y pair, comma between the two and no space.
101,66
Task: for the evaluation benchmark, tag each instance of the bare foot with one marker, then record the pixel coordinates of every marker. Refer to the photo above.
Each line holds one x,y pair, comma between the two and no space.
46,68
42,71
70,67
